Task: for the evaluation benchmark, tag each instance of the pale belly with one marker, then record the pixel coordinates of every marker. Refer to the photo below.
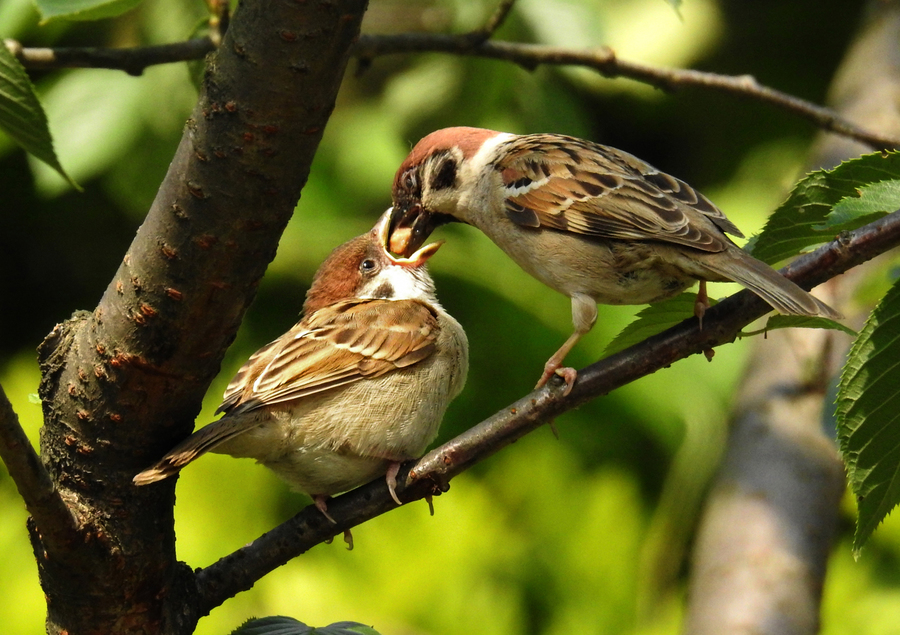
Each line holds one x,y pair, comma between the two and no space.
610,272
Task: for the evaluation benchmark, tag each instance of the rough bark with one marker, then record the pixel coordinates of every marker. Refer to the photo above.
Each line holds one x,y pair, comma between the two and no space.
121,384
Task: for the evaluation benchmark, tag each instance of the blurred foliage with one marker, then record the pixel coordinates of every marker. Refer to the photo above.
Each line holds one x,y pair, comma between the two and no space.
584,534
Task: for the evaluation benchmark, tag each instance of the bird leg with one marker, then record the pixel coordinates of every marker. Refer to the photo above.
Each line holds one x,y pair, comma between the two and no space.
554,364
701,303
584,315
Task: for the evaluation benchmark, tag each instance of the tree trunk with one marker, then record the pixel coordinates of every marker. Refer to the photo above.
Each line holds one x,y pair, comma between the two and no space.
122,384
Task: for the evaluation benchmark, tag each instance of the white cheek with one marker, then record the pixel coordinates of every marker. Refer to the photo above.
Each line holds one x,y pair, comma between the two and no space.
403,282
487,152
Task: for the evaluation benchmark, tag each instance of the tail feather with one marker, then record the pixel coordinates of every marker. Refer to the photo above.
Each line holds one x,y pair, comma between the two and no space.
782,294
193,447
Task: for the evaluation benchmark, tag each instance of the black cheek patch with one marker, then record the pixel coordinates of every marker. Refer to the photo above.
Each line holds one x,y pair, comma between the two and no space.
385,291
446,175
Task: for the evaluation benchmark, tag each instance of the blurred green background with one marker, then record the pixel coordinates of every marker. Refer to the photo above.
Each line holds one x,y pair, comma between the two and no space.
551,536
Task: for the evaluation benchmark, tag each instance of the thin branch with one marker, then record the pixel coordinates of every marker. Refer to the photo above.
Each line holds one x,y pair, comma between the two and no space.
494,23
475,44
240,570
604,61
54,521
131,60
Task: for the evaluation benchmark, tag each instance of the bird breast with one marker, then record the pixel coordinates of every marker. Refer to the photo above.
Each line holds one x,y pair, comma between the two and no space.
339,439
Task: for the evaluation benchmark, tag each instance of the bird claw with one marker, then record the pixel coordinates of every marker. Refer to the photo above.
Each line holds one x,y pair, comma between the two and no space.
391,478
569,375
553,368
322,506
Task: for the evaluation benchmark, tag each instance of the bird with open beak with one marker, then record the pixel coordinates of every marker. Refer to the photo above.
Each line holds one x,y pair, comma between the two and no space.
358,385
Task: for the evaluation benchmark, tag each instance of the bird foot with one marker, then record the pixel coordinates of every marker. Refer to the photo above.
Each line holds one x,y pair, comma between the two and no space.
568,374
391,478
348,538
321,502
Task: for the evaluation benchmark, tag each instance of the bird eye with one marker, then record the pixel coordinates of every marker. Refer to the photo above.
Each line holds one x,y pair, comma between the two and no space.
368,265
409,180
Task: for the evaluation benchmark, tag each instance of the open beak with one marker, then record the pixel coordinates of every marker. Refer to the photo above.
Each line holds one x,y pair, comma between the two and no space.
411,226
399,241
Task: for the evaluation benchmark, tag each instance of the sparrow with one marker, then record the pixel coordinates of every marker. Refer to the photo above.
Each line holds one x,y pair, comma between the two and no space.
358,385
590,221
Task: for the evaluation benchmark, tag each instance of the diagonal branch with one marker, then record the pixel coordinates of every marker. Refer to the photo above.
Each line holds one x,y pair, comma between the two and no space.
478,44
240,570
52,517
604,61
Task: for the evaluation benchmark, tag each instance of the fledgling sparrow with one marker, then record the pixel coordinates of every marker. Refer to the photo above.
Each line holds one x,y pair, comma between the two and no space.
594,223
358,385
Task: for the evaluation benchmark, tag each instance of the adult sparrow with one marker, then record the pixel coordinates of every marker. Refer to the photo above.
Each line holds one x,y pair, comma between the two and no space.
358,385
595,223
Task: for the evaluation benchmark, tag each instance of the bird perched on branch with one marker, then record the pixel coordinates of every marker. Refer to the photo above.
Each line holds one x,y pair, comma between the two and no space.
594,223
360,384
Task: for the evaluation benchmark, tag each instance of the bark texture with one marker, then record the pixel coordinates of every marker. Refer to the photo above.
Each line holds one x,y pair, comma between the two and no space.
121,384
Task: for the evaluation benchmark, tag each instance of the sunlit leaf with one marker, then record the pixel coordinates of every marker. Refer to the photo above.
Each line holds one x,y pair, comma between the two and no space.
799,321
281,625
797,224
868,416
83,9
873,201
654,319
21,115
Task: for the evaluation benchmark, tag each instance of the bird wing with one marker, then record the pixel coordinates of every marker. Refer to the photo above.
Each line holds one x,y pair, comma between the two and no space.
332,347
573,185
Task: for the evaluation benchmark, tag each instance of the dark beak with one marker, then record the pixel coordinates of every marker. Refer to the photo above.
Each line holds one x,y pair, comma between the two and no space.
410,227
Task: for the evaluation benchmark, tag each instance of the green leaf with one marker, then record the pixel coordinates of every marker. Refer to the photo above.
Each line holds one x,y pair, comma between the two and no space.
21,114
799,321
281,625
868,416
276,625
83,9
797,224
873,201
654,319
345,628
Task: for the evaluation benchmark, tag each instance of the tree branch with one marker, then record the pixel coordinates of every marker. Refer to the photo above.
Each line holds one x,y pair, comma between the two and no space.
122,383
131,60
604,61
431,475
478,44
51,516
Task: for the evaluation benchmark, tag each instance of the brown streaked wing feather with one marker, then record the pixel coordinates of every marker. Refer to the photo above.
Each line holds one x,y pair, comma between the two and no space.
339,345
236,386
594,190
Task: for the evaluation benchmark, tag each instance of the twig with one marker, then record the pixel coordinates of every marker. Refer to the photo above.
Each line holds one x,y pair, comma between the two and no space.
240,570
494,23
52,517
131,60
604,61
476,44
